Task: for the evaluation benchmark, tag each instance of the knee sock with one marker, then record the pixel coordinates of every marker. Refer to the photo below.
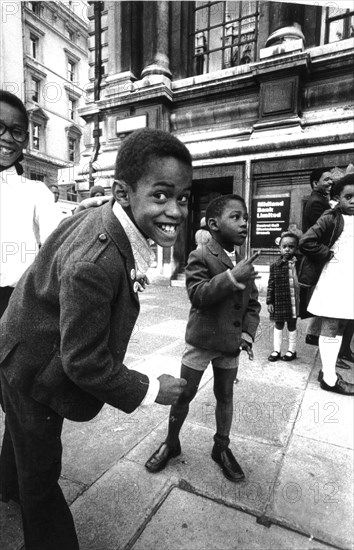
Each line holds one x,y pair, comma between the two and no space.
277,339
329,348
292,340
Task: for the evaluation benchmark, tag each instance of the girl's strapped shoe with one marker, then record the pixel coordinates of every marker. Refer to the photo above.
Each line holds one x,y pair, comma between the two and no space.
274,356
289,356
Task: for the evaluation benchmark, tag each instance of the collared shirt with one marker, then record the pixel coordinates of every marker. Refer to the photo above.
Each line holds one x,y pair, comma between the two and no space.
143,256
28,215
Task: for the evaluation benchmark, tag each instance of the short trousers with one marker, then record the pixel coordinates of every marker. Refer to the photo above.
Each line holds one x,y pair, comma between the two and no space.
199,359
333,327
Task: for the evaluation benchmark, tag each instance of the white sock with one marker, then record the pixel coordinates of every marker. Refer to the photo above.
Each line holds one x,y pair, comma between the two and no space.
329,349
277,339
292,340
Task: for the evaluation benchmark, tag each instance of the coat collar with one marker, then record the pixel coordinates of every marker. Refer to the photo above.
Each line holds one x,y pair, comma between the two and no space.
217,250
115,230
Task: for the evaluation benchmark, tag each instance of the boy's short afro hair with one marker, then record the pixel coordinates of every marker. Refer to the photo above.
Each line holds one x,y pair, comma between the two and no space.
338,187
140,147
289,234
216,207
14,101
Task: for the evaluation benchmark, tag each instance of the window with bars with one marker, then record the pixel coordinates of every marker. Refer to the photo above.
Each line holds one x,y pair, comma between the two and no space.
225,35
34,45
35,7
339,24
35,89
72,108
36,135
72,149
71,68
36,176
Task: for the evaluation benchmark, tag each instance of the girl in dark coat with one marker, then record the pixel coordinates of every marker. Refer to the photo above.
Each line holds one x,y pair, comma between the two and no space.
283,296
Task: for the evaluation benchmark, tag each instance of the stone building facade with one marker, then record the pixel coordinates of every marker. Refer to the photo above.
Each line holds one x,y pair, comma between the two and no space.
44,60
260,92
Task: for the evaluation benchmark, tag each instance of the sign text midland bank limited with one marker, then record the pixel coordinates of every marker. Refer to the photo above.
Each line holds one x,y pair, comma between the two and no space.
269,218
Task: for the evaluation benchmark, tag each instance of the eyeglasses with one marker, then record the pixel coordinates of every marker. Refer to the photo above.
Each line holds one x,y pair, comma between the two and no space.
18,134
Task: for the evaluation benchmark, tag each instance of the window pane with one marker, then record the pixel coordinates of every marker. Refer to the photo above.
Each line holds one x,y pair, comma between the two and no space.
215,38
214,61
336,30
201,18
227,35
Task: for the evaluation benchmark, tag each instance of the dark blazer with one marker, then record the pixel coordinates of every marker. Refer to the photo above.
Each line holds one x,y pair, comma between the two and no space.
220,312
314,208
67,327
278,290
318,240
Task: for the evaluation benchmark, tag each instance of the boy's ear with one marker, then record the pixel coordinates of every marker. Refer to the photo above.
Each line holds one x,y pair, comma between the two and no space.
213,224
120,193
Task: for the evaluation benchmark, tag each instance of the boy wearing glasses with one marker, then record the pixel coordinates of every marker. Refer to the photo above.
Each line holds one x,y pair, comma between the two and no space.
28,213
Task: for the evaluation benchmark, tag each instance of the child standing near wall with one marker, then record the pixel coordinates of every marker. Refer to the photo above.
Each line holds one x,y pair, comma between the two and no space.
283,296
330,241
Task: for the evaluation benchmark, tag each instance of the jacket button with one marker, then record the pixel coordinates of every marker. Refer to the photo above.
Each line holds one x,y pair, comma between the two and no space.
237,324
102,237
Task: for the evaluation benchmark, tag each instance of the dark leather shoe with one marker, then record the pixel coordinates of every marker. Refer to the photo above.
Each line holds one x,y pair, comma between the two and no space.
273,358
320,376
289,356
158,460
343,363
341,386
347,357
311,339
230,467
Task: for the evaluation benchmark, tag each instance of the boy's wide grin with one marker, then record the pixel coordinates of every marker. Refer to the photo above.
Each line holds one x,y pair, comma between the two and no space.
167,228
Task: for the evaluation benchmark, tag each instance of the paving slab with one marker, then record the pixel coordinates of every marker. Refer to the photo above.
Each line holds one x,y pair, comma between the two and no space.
91,448
189,522
314,491
110,513
326,416
195,469
262,411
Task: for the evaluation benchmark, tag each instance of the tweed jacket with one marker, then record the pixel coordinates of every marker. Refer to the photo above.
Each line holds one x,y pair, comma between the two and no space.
278,290
66,329
219,312
314,208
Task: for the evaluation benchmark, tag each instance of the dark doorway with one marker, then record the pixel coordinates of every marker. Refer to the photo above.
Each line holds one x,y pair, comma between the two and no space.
203,191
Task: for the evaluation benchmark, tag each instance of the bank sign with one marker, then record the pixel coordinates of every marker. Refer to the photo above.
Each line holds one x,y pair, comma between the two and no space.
270,217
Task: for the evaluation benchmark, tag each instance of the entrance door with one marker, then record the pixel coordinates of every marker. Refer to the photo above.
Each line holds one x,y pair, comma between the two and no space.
203,191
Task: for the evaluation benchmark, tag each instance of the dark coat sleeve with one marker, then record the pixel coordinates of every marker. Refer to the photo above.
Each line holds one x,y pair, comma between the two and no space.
251,318
313,210
86,298
271,286
313,242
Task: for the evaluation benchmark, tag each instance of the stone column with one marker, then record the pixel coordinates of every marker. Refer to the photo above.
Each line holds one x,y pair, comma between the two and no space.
156,43
285,23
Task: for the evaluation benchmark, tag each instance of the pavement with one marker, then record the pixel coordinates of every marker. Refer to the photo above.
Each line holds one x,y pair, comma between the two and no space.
293,440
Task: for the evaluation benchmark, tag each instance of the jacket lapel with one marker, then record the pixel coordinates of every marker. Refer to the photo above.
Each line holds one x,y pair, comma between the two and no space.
120,239
220,253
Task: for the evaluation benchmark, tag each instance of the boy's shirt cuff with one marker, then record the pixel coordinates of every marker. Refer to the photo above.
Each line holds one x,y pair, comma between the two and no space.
239,286
151,394
247,337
